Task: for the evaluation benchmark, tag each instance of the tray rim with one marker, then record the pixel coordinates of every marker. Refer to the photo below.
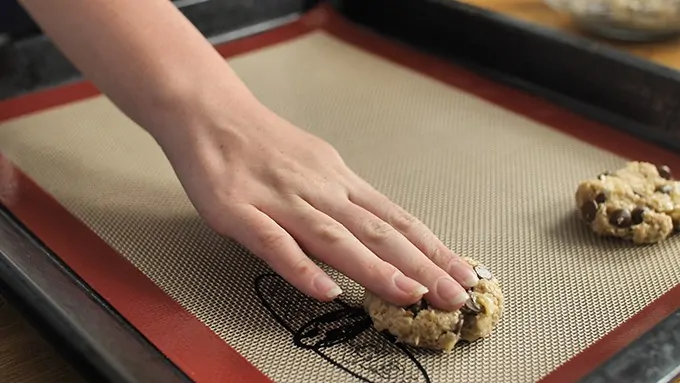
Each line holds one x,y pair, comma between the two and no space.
22,69
93,336
509,50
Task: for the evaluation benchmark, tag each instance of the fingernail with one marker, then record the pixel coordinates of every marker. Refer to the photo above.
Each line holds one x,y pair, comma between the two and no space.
408,285
327,287
467,276
470,279
334,292
451,292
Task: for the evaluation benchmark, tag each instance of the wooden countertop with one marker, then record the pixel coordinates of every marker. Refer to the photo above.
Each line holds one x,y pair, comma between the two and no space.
25,357
666,53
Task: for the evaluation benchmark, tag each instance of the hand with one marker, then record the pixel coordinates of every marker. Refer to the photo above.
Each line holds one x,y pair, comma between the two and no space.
251,175
284,193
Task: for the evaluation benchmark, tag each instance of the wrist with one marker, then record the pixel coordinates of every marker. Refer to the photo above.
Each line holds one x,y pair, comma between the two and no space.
193,111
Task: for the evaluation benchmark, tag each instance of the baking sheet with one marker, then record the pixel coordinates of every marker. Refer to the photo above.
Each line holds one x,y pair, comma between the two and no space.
492,185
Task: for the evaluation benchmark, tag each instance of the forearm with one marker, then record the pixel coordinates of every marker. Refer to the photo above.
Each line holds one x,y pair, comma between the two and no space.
144,55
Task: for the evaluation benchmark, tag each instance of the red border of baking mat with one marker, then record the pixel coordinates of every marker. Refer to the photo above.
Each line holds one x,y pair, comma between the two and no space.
185,340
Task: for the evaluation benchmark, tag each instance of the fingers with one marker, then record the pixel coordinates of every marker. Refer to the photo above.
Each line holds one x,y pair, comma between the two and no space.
393,247
366,237
268,241
416,232
332,243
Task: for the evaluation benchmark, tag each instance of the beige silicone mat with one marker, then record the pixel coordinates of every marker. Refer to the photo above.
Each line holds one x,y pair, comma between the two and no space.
491,184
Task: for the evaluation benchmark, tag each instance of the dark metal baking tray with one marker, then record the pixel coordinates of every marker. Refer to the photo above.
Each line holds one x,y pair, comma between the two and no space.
90,334
654,357
31,62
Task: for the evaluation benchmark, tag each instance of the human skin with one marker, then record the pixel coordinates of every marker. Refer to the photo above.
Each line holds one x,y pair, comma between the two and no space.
278,190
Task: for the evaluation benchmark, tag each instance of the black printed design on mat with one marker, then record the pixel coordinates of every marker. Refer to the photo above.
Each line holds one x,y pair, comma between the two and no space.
341,334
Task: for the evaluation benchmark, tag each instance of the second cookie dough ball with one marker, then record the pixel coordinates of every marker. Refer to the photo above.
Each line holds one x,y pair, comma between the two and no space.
639,202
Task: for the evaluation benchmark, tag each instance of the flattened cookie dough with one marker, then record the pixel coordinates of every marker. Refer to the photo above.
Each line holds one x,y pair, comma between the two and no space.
639,202
421,325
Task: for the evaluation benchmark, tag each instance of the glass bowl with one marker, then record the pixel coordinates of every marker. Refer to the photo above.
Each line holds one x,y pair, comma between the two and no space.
627,20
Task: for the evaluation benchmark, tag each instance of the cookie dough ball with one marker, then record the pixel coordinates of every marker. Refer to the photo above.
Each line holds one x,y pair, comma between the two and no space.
421,325
639,202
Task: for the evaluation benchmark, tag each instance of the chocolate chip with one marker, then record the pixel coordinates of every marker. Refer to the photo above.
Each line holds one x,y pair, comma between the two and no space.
458,327
666,189
471,307
483,272
417,307
603,174
588,210
600,198
638,215
664,171
621,218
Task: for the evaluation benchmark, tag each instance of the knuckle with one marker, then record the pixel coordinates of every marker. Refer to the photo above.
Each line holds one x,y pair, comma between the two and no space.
439,254
226,207
271,241
330,232
377,271
285,179
227,193
433,252
456,262
303,268
403,221
424,270
328,150
376,230
285,185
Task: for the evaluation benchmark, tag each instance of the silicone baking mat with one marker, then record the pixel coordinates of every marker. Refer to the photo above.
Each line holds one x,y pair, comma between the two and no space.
490,170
